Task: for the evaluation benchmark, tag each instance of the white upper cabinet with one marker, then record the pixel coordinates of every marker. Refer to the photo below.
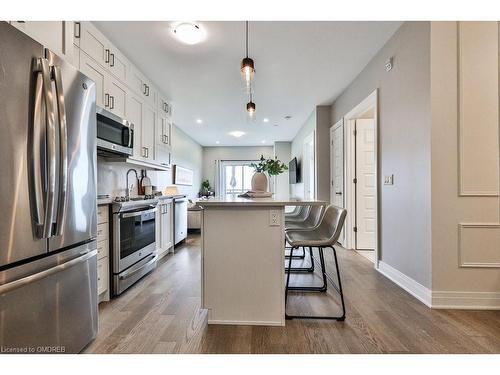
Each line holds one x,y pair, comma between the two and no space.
54,35
148,133
141,85
94,44
97,46
134,115
97,73
117,97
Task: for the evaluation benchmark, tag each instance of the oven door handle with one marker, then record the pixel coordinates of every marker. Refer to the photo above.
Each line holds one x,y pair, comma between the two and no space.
137,213
133,270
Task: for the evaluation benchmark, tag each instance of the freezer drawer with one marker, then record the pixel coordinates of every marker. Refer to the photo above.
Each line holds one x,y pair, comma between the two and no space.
52,309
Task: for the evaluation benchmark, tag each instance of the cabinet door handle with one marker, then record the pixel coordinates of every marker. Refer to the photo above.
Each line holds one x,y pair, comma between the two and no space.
106,100
78,30
145,88
106,58
143,152
147,152
112,60
112,102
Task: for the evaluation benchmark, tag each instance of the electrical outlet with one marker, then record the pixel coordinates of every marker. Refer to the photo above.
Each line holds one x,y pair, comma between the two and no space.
274,218
389,179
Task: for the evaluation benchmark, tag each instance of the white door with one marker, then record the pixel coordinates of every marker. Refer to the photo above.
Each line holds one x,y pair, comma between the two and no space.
337,168
309,167
365,186
337,164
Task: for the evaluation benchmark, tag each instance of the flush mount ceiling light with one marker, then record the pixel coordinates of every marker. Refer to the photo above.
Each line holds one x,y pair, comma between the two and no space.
189,32
237,133
266,120
247,64
217,142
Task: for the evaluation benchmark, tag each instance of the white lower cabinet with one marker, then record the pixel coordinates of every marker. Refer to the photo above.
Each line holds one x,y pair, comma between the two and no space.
103,252
165,228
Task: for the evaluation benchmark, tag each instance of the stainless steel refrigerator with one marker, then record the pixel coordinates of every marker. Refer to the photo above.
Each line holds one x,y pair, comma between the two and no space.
48,225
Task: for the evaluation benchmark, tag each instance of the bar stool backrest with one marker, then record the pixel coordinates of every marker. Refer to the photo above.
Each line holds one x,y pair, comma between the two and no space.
332,223
303,214
315,215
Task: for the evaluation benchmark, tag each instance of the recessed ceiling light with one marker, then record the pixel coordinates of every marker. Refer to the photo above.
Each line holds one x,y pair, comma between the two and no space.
199,121
217,142
263,141
237,133
189,32
266,120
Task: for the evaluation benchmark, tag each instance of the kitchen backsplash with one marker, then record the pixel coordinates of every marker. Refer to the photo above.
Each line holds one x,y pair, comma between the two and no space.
111,178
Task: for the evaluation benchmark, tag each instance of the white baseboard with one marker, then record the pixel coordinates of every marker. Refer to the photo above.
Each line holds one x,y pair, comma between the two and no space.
442,299
416,289
466,300
247,322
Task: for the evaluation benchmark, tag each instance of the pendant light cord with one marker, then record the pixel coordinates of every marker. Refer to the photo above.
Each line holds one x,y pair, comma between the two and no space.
246,37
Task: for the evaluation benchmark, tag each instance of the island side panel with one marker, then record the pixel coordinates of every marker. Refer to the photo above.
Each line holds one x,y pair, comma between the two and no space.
243,266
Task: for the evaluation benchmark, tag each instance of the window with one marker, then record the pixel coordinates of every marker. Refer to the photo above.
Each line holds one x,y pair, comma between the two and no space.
236,176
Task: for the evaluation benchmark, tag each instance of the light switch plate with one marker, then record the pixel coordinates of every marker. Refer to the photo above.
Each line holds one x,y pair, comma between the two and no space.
389,179
274,218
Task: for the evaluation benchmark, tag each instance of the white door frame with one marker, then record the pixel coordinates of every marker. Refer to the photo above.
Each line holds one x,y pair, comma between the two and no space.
371,101
338,124
309,138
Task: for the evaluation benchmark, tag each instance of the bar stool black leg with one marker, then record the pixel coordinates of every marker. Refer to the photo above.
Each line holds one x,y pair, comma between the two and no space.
295,256
303,269
338,288
288,279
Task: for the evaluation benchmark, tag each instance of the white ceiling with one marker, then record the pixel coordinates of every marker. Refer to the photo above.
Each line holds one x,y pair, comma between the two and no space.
298,65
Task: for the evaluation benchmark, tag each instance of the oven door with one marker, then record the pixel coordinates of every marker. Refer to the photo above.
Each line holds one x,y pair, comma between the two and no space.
134,236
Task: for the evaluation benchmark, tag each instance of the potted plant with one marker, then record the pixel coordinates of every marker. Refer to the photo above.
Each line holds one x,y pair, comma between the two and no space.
205,189
273,167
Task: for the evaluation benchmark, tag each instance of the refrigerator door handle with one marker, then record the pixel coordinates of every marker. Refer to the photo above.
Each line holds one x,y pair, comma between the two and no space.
51,147
63,152
46,273
35,167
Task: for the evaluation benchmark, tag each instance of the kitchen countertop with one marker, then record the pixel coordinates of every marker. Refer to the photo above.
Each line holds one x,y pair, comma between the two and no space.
104,201
234,201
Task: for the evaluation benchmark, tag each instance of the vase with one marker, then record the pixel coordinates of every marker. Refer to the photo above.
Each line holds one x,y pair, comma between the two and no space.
259,181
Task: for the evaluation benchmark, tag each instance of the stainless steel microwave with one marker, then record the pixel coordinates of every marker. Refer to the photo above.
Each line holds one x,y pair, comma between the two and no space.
115,136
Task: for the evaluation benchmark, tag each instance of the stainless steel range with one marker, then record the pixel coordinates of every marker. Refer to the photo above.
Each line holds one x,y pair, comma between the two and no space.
134,241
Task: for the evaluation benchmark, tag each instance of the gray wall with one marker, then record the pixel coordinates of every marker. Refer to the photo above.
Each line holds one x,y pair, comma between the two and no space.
187,153
323,124
211,154
297,190
282,151
404,146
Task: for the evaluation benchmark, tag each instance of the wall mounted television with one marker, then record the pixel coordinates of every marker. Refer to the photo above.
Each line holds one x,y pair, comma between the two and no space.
294,171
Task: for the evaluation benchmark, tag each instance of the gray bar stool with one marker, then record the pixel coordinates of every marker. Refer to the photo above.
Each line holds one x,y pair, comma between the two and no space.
324,235
299,217
312,221
294,213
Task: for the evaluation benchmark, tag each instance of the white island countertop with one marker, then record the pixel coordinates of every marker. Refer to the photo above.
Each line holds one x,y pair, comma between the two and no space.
235,201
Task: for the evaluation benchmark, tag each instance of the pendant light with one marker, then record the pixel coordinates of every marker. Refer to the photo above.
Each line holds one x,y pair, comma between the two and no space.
247,64
251,106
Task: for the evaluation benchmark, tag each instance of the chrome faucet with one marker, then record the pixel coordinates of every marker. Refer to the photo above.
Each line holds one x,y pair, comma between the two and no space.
127,191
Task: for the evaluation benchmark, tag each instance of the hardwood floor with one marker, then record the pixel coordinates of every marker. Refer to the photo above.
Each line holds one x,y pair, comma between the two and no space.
161,314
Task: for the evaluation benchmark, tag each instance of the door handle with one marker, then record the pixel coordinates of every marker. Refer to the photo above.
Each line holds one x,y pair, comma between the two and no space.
112,60
112,101
147,87
51,149
78,28
338,193
106,58
41,275
106,100
35,166
63,151
144,91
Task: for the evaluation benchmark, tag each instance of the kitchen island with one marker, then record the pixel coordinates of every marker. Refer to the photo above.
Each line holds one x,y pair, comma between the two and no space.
243,259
